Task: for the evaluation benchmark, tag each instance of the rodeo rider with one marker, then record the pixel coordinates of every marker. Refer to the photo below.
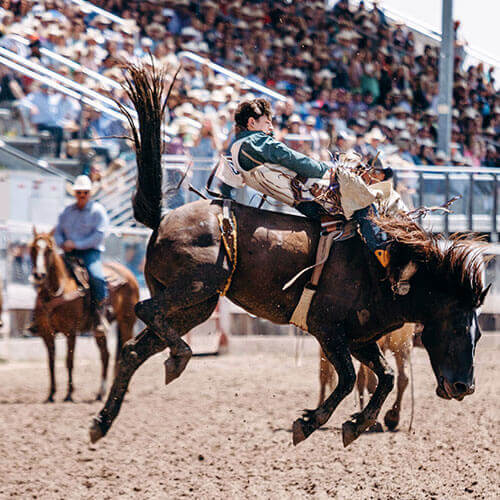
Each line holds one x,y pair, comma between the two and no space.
80,232
272,168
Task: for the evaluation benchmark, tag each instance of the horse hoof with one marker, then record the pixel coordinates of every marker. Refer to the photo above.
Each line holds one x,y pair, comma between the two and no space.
50,399
68,399
391,420
349,433
376,427
98,397
298,432
95,431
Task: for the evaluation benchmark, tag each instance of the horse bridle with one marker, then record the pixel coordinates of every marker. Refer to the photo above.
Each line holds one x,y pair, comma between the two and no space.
43,281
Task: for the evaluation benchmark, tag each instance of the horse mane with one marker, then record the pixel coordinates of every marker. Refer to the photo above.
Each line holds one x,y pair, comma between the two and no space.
456,264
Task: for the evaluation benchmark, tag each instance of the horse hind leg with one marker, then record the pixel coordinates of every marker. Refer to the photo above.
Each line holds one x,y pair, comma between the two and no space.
137,350
51,351
392,416
151,312
69,365
180,293
102,344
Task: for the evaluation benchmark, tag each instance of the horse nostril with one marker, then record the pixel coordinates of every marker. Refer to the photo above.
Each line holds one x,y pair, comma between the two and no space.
460,388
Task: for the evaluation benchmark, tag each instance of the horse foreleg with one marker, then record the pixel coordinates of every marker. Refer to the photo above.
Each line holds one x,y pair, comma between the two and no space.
70,356
361,384
391,418
337,352
102,344
373,358
134,353
327,377
51,351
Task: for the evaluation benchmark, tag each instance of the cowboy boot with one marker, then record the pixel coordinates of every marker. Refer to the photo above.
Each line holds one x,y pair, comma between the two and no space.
102,323
376,239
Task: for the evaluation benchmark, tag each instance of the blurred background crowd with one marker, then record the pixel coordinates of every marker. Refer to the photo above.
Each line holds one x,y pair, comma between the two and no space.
352,78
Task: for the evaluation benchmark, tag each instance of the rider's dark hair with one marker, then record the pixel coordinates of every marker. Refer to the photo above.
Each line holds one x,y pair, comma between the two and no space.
251,109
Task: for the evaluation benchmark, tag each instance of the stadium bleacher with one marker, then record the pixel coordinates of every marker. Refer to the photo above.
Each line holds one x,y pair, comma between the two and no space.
348,72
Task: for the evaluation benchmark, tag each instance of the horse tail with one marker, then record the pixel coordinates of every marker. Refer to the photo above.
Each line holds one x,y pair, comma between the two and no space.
146,89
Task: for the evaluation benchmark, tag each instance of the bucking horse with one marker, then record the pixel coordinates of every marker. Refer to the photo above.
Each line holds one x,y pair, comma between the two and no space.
193,258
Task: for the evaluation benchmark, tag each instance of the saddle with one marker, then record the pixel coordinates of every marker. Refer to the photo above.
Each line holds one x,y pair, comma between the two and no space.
79,272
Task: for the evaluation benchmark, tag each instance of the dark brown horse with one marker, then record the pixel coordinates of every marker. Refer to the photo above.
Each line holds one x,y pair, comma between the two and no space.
187,267
61,308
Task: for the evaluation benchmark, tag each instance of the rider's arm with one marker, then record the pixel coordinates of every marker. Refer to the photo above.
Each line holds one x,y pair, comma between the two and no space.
96,237
262,148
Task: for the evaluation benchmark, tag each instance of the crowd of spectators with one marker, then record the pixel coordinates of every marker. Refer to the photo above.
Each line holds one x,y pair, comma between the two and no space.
352,78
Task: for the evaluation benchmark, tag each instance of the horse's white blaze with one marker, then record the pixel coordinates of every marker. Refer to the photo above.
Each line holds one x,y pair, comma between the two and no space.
473,334
40,258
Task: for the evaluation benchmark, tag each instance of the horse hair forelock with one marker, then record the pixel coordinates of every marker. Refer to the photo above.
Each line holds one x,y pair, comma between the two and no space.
456,264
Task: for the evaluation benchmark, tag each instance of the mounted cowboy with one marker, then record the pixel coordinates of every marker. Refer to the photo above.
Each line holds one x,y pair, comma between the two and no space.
317,189
80,233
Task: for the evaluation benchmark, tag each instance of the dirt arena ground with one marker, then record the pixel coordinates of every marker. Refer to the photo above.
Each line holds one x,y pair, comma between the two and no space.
223,431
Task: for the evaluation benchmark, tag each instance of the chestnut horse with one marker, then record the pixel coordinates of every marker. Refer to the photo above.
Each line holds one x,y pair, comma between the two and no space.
188,268
61,308
399,342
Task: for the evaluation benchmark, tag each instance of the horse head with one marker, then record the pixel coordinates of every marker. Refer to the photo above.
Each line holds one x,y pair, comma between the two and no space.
42,250
450,338
451,331
444,281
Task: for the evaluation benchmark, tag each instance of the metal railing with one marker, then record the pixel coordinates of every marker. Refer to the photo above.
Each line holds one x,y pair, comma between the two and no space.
62,84
93,8
71,64
232,75
477,209
31,162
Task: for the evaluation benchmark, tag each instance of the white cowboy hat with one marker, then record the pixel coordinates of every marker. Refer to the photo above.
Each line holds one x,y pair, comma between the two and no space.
82,183
375,134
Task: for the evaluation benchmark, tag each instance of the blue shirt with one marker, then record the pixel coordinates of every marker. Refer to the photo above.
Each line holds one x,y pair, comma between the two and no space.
86,228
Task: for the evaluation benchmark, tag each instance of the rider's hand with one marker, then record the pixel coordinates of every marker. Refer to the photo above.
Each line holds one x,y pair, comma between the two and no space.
68,246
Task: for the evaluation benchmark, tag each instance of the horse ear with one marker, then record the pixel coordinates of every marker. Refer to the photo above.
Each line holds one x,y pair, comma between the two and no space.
483,294
35,234
52,232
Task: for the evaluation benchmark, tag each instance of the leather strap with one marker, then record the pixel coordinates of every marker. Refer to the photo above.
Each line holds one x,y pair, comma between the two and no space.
228,229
